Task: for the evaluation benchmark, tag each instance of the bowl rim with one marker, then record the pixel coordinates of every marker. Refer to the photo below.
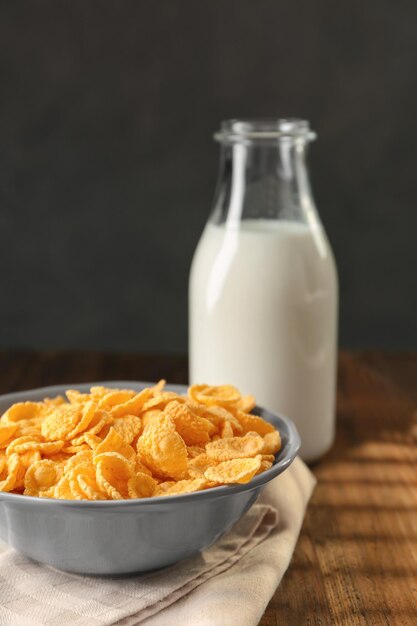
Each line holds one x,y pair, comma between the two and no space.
282,461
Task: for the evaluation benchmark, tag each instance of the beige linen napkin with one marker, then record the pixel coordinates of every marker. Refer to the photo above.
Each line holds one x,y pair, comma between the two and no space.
227,584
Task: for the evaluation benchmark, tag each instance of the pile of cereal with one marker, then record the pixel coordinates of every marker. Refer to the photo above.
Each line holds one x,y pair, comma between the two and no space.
113,444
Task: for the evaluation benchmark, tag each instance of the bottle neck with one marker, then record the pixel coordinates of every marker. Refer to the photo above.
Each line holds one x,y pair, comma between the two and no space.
264,180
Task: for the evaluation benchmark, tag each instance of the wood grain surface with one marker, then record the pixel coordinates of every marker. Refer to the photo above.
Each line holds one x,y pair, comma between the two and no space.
356,559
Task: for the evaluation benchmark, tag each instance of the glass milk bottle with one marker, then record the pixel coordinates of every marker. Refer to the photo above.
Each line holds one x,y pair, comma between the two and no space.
263,292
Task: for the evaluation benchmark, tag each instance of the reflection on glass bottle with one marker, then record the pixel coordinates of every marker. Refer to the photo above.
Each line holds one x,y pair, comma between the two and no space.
263,284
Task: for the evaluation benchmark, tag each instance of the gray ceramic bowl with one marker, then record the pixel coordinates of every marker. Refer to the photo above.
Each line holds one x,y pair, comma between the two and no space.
128,536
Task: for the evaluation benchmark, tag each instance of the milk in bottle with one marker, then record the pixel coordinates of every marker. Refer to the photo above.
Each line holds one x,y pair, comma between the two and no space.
263,285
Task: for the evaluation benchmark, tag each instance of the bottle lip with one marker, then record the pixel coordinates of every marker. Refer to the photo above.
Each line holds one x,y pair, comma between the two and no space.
261,129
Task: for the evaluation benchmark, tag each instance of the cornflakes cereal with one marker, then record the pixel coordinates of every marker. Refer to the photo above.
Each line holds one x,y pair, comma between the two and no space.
10,473
266,462
113,472
41,478
160,401
194,451
198,465
141,486
83,481
100,420
87,416
253,423
128,426
163,450
88,487
134,405
272,443
61,422
192,428
222,395
6,432
235,447
19,441
112,444
181,486
247,403
88,438
234,471
63,490
227,430
21,411
115,398
218,416
115,443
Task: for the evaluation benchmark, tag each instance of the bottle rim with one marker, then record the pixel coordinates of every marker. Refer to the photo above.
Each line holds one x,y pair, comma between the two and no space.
259,129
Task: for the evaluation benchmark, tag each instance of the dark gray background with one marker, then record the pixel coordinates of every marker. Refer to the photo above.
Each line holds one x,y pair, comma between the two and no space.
107,166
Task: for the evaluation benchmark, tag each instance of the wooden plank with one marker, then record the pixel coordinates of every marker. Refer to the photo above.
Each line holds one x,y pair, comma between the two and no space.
26,370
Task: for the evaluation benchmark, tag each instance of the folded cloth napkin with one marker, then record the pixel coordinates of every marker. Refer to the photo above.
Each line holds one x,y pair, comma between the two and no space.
230,583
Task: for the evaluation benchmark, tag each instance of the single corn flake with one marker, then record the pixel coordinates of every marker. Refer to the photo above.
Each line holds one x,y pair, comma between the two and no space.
160,401
134,405
180,487
48,447
19,441
83,482
254,423
272,443
114,398
42,477
12,469
233,471
87,484
227,430
76,397
154,415
62,489
115,443
218,416
101,420
192,428
159,387
25,461
6,432
61,422
163,450
247,403
23,411
91,440
198,466
267,460
194,451
140,467
28,429
128,427
87,416
83,459
163,487
222,395
235,447
141,486
59,457
113,473
52,402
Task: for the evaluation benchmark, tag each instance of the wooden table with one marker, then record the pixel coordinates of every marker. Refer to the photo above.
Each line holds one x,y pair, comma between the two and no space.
356,559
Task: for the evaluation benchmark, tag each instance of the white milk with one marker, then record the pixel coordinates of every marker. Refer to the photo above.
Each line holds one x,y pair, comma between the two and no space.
263,309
